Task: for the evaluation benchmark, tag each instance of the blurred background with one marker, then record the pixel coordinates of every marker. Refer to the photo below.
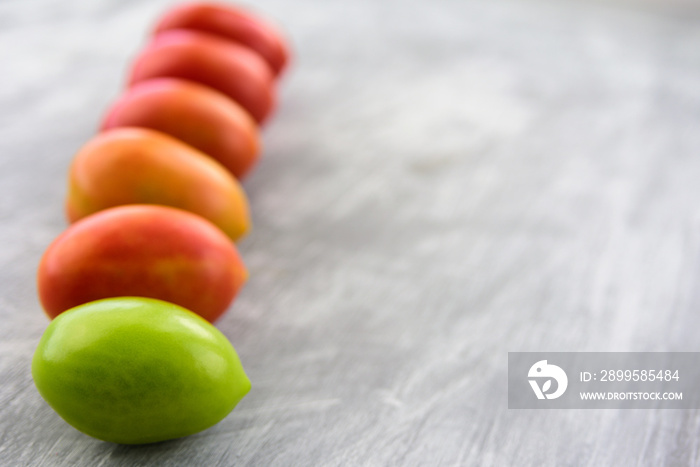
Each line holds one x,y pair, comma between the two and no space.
443,182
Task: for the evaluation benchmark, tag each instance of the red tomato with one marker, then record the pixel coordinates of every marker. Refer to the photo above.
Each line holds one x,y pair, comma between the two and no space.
142,251
228,67
232,23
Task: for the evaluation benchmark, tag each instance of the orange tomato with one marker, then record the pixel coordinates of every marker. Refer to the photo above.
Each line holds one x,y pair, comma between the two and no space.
142,166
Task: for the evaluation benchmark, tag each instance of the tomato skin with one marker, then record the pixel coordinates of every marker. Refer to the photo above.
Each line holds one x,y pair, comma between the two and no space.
142,250
230,68
194,114
232,23
135,370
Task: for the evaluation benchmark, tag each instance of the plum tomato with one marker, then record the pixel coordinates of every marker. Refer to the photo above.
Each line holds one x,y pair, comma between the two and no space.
233,23
137,370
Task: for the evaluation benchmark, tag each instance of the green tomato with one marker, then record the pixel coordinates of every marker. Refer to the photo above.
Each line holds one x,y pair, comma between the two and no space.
137,370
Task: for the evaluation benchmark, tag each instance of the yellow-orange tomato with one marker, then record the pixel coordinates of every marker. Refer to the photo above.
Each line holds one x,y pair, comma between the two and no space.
141,166
143,251
228,67
194,114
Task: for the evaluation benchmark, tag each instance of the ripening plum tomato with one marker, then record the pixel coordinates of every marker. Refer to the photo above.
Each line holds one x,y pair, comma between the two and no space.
230,68
195,114
142,166
233,23
137,370
146,251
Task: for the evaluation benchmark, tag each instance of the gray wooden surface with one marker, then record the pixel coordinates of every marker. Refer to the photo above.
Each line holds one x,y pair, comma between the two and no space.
444,182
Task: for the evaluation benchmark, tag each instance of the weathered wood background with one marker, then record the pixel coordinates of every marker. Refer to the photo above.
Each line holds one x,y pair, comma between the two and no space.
444,182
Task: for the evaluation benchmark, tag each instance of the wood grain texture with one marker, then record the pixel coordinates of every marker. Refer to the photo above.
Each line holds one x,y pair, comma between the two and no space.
444,182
